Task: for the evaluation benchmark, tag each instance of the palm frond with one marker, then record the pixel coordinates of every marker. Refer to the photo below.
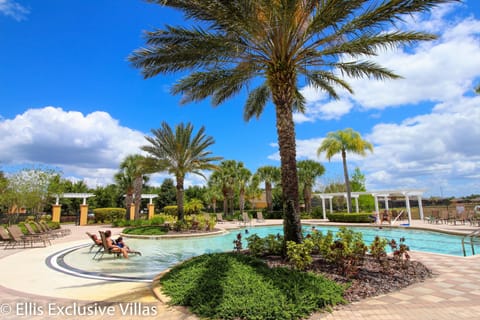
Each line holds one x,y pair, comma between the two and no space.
256,102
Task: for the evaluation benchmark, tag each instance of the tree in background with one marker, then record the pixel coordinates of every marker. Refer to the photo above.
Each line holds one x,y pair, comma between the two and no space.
243,178
179,153
270,175
308,172
131,177
365,201
167,195
275,45
225,177
342,141
214,193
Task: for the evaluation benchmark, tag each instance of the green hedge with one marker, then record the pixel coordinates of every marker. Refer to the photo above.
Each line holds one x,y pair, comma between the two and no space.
236,286
349,217
109,214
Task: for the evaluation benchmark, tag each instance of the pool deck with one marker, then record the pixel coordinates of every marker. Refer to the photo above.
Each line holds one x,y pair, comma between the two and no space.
29,289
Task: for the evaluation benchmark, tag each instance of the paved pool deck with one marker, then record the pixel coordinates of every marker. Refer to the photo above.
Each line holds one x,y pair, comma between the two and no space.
29,289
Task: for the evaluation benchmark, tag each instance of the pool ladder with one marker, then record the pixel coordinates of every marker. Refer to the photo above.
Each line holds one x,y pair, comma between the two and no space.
472,236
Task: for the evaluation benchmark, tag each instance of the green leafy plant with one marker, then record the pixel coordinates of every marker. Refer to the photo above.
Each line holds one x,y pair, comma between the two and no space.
237,286
377,248
300,254
400,251
348,251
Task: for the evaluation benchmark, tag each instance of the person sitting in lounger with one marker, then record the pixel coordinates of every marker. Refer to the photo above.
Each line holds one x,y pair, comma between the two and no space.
112,247
96,240
119,242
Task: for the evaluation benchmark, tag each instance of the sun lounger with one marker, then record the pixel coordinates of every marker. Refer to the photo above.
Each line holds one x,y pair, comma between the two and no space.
5,236
18,237
260,216
32,232
220,218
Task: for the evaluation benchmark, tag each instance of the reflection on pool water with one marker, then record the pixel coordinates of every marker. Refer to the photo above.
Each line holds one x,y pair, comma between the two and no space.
160,254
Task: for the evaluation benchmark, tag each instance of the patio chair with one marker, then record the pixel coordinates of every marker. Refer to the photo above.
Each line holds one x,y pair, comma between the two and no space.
220,218
385,216
61,231
260,216
5,236
32,232
18,237
246,219
104,249
96,242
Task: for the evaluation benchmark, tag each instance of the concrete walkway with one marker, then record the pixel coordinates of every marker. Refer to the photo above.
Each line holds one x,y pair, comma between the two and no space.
29,289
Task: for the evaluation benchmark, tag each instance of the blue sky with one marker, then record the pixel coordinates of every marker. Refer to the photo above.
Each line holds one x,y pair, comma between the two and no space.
69,99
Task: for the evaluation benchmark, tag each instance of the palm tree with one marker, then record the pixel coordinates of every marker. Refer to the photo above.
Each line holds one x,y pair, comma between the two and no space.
243,177
131,177
213,194
308,172
342,141
270,175
226,177
275,44
179,153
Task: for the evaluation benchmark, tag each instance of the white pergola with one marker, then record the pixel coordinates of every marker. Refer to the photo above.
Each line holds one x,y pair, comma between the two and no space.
83,196
384,194
149,196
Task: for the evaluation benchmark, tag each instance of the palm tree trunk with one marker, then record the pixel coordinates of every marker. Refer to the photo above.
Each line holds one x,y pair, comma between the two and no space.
180,198
128,202
268,196
347,181
242,201
137,190
283,96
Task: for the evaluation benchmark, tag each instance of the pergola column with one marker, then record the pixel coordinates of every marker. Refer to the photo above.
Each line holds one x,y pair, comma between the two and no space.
323,208
409,211
56,211
132,211
420,207
83,214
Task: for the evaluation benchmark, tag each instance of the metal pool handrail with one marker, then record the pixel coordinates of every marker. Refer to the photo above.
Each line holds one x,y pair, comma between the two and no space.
471,235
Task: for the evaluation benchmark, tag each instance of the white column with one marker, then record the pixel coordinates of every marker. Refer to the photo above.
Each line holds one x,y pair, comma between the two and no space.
324,210
331,204
420,207
356,204
407,203
346,200
386,203
376,204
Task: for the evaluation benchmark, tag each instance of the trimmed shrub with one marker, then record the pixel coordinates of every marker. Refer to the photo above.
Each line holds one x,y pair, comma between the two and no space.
236,286
350,217
109,214
171,210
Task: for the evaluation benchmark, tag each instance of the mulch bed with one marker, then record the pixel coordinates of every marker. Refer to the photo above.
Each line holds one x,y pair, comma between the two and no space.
370,278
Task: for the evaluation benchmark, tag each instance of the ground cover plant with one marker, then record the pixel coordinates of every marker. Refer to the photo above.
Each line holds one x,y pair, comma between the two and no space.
238,286
146,230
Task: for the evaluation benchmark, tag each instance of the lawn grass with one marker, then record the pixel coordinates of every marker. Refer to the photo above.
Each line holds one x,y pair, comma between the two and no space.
237,286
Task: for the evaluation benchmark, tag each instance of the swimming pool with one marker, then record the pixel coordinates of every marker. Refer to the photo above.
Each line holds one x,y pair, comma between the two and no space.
160,254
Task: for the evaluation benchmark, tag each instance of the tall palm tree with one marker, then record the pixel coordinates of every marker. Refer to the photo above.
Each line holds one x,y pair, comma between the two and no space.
237,44
179,153
342,141
243,178
226,177
213,194
270,175
308,172
130,178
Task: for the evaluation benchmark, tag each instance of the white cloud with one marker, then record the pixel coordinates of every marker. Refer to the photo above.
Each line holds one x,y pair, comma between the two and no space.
437,151
13,9
433,71
89,146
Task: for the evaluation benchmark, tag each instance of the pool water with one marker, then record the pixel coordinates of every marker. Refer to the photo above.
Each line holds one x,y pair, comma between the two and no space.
160,254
